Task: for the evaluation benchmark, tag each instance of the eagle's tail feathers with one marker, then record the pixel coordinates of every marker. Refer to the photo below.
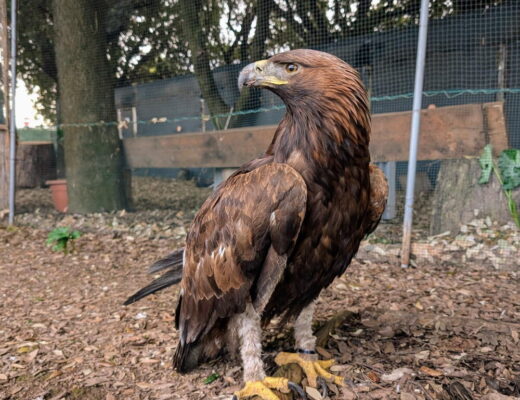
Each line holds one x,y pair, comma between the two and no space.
170,278
206,348
187,356
172,261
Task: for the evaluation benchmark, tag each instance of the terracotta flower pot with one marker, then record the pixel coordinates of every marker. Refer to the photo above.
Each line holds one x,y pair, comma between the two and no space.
59,194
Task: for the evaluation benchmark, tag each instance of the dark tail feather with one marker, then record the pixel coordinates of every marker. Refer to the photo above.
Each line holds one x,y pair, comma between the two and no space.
168,279
207,347
173,262
187,356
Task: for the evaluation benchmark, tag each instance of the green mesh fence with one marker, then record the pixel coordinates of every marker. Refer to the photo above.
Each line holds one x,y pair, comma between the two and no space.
171,68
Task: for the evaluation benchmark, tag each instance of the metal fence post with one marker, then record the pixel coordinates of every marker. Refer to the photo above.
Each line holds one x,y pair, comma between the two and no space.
12,143
414,134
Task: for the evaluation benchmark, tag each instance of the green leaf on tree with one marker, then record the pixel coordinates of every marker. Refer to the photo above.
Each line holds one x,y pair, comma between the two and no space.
486,164
509,164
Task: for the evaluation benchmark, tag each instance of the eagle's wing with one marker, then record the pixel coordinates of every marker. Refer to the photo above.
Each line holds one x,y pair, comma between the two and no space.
241,233
378,197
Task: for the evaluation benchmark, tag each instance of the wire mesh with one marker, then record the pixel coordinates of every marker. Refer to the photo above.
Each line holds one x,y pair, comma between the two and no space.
173,65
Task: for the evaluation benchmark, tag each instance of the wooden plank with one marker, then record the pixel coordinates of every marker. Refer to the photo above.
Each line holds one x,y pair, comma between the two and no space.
495,126
220,149
390,170
446,132
35,143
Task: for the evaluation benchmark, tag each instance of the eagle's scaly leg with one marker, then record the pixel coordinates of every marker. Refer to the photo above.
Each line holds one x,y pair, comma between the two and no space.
248,326
306,357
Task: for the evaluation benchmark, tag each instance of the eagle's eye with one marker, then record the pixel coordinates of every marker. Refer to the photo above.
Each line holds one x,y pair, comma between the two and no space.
291,68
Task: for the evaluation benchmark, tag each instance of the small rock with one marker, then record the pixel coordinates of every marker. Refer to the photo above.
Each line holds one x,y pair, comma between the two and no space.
141,315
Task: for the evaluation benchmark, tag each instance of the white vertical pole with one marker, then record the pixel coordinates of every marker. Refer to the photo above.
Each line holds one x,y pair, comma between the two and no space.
119,127
12,140
134,120
414,134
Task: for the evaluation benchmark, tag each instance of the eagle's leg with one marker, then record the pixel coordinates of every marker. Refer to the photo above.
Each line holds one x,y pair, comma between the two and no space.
306,356
248,326
305,340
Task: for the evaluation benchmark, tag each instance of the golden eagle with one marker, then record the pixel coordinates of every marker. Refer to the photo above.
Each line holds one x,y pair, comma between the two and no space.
283,226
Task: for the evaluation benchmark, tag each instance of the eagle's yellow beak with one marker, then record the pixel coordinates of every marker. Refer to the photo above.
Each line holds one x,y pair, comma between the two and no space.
260,74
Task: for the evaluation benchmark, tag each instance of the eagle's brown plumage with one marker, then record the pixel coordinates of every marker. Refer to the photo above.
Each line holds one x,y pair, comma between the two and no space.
283,226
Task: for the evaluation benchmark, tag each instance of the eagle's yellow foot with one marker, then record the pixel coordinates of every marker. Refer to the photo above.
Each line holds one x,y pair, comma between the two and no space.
312,368
264,389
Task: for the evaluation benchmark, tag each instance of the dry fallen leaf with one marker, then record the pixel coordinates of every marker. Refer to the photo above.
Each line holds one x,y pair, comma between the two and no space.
396,374
53,375
144,385
373,377
313,393
497,396
324,353
348,394
429,371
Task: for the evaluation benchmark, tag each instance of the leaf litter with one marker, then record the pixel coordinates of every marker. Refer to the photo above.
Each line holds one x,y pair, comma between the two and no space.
447,329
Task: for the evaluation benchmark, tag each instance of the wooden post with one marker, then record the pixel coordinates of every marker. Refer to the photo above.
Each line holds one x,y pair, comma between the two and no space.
4,131
389,168
221,174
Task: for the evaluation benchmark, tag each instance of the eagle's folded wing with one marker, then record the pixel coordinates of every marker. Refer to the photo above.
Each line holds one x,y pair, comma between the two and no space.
251,215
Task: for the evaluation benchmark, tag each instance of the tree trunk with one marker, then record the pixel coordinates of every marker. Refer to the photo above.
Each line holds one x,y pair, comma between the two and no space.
195,36
4,170
93,155
459,198
250,99
35,164
4,106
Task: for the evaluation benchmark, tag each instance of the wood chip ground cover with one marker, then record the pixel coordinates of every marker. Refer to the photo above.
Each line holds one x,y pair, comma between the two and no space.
448,328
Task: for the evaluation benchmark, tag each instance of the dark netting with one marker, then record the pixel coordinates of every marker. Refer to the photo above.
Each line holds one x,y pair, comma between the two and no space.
172,68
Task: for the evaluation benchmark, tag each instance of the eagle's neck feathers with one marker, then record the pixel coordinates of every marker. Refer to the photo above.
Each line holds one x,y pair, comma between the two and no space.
324,132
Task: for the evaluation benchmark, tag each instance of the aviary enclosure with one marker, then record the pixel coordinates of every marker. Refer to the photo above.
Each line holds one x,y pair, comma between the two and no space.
143,117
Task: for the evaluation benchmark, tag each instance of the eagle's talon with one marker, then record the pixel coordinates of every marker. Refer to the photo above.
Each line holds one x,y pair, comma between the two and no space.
263,388
297,389
313,369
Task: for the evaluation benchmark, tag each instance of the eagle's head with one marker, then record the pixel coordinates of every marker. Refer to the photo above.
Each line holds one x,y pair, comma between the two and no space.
297,74
319,88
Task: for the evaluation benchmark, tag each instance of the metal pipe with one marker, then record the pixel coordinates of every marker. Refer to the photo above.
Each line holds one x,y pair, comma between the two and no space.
12,126
414,134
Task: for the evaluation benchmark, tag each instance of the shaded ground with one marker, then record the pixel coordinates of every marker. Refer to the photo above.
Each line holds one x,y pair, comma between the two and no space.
446,329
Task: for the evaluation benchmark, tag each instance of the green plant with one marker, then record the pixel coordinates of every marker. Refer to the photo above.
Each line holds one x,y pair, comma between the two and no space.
62,239
507,171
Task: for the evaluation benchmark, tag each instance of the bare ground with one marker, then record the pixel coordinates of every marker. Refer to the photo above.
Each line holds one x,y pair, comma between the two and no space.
448,328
